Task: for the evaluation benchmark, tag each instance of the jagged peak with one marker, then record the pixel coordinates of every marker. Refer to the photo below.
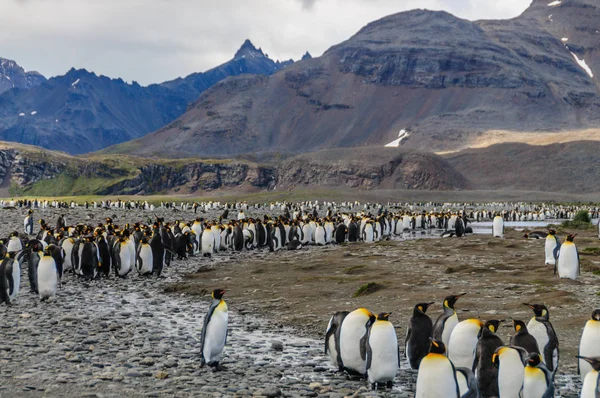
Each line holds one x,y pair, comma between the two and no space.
248,49
306,56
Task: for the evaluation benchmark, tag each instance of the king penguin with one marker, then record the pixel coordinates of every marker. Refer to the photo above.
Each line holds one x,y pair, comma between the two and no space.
144,258
332,339
537,380
591,383
418,336
437,376
485,371
28,223
522,338
47,276
353,340
445,323
568,259
509,361
498,227
463,343
589,345
540,327
552,247
214,331
383,355
10,279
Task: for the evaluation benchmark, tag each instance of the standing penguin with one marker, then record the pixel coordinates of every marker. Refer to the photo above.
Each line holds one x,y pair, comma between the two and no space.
463,343
121,257
47,276
537,380
89,259
522,338
509,361
104,253
485,371
418,336
353,339
332,339
214,331
445,323
10,279
383,355
540,327
207,241
552,247
158,251
35,255
28,223
568,260
144,257
591,383
589,345
437,376
498,227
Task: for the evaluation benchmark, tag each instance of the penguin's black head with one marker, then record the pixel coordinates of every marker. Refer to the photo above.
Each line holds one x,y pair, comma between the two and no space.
451,300
595,362
518,325
571,237
551,232
538,309
383,316
596,314
533,359
493,325
218,294
423,306
15,233
437,347
30,211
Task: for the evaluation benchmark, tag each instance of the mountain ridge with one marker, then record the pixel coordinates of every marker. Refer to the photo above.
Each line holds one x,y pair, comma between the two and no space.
440,77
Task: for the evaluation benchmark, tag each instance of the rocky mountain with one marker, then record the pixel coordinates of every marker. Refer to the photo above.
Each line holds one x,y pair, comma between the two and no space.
28,170
247,60
13,75
441,78
82,112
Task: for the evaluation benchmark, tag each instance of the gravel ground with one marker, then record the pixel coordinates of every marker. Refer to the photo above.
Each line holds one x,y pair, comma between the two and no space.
116,338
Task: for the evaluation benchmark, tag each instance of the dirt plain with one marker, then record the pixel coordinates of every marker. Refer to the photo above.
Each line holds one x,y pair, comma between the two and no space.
303,288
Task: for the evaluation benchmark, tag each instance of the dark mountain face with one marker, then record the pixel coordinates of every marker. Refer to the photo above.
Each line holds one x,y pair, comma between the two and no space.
81,112
12,75
442,78
247,60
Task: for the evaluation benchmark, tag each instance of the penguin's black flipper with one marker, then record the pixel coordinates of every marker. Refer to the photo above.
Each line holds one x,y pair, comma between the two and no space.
369,352
363,346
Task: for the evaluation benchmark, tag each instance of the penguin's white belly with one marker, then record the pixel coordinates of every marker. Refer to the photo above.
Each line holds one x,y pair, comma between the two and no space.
534,385
461,348
590,385
449,326
215,337
384,353
589,346
217,238
332,350
498,227
47,277
14,245
16,276
568,262
368,233
68,248
549,248
436,378
320,236
132,252
125,257
538,330
145,261
208,242
463,386
510,375
353,329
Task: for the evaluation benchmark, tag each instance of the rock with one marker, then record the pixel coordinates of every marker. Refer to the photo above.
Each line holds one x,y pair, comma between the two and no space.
161,375
277,345
271,392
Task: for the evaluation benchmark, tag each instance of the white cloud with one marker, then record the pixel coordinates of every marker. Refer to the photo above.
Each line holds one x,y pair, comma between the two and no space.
156,40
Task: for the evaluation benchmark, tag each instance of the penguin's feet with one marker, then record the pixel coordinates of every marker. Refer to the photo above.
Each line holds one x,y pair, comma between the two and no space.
219,368
389,384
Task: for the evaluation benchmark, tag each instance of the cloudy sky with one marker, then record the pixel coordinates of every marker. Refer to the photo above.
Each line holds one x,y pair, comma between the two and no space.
156,40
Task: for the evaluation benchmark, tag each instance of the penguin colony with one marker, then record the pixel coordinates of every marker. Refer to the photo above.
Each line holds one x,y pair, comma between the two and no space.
451,356
474,362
